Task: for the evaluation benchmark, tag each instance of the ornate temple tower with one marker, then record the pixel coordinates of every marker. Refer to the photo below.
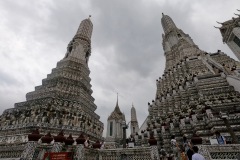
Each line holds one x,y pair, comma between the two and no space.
230,31
64,100
114,127
198,92
134,122
176,37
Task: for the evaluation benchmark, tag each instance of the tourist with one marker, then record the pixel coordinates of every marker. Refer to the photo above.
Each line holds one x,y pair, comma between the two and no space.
127,141
183,154
174,146
87,142
163,152
187,147
196,155
220,138
102,145
131,142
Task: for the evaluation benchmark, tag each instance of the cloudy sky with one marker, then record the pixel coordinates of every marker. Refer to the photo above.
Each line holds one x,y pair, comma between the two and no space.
127,55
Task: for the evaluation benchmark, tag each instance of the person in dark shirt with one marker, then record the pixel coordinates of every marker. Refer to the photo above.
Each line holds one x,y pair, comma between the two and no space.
187,146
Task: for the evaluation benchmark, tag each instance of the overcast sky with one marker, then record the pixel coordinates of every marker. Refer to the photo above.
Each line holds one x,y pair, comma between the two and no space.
127,55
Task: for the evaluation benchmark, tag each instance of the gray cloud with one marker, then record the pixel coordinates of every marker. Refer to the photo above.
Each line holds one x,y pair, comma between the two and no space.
127,54
7,79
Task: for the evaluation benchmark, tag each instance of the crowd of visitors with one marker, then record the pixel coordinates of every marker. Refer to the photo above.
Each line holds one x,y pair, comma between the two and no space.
187,150
184,150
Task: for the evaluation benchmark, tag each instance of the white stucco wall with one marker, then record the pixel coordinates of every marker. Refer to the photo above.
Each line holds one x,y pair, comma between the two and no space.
143,126
234,81
232,45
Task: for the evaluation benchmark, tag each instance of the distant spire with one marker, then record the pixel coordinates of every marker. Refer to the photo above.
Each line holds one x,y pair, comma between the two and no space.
134,122
117,109
133,114
117,100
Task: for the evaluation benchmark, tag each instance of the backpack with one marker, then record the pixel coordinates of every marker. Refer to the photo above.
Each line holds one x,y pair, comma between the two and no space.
221,139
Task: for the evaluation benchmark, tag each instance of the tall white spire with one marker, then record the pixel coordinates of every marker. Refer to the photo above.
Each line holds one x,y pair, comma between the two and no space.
133,114
134,122
85,29
167,23
177,45
80,46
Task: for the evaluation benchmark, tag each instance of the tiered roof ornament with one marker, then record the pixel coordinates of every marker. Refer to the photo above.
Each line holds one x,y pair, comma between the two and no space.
115,127
231,34
116,114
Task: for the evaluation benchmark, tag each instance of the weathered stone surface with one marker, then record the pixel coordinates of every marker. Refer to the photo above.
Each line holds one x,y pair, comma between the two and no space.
63,102
193,91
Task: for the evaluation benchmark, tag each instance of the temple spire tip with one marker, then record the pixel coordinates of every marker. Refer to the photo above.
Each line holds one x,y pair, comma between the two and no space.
117,98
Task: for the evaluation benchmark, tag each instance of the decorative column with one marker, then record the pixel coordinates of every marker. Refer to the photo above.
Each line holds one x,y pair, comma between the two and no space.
58,142
69,143
31,145
124,127
57,147
46,147
29,150
79,153
154,149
